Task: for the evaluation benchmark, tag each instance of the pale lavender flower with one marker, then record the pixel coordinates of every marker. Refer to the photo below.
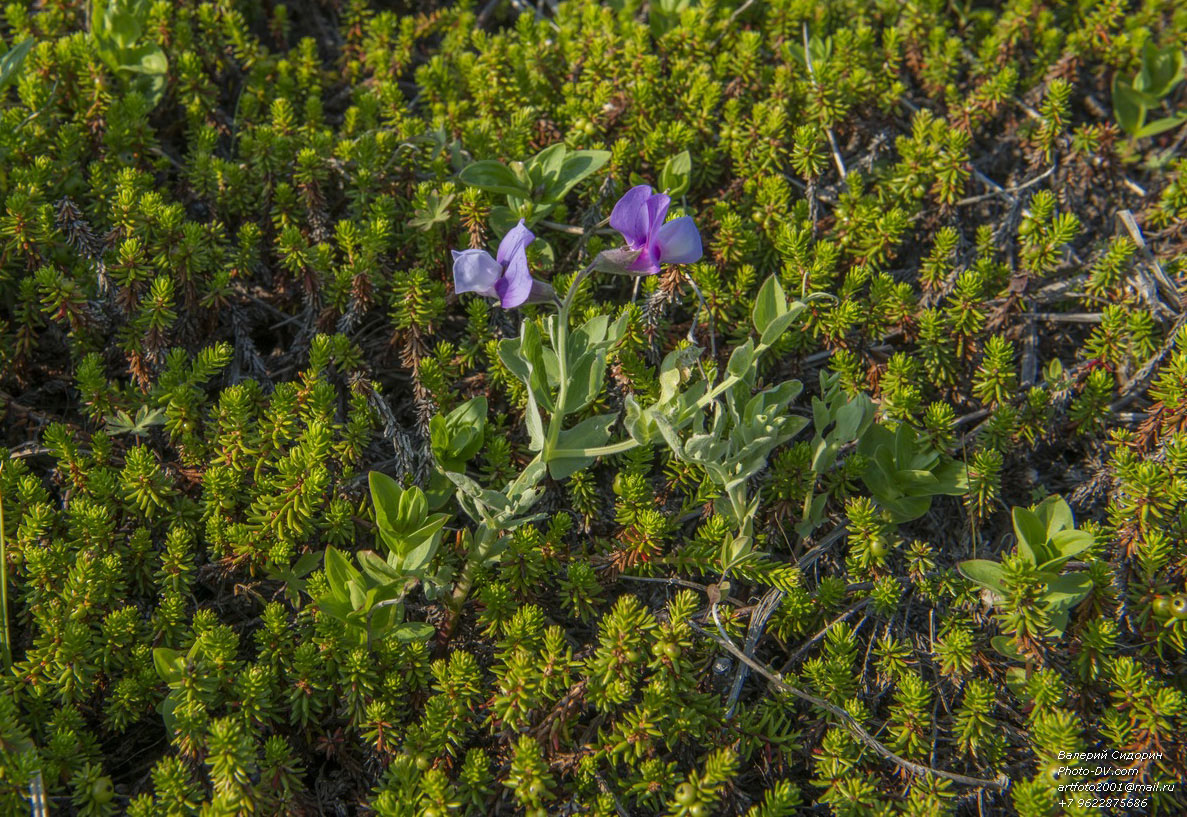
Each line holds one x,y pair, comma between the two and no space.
506,276
639,215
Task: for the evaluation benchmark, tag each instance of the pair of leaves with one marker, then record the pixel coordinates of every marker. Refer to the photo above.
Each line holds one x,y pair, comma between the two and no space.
676,176
772,314
904,474
1161,70
410,534
1047,538
454,438
369,604
542,181
117,28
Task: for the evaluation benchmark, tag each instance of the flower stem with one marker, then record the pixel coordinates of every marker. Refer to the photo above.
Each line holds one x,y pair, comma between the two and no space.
561,343
568,302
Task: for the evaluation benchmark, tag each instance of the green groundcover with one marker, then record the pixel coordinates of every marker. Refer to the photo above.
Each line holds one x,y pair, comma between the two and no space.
522,407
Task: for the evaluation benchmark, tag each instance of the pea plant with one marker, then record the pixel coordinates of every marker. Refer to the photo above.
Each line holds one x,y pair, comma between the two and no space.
1029,588
726,424
369,601
118,32
1134,99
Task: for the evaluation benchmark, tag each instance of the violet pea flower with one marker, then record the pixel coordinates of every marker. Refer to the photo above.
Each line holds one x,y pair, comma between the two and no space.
639,216
506,276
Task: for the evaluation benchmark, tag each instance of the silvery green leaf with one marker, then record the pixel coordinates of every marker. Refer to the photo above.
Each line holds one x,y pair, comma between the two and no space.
531,416
636,421
742,360
589,433
667,432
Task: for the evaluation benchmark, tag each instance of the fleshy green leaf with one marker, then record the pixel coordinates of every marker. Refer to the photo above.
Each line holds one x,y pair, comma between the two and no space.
170,665
11,62
414,631
1031,534
677,173
493,177
983,572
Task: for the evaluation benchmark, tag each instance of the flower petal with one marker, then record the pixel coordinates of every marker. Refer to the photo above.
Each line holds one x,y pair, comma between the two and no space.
679,242
475,271
630,215
516,239
648,261
657,211
515,286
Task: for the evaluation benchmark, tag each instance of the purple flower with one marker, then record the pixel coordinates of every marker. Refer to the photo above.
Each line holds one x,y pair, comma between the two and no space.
506,276
639,216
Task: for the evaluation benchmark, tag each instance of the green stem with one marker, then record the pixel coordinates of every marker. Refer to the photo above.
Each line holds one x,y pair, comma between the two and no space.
713,393
562,340
474,559
568,302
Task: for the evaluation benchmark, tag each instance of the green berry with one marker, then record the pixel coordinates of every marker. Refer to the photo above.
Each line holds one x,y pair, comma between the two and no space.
672,651
878,548
1161,606
101,791
686,794
1179,607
